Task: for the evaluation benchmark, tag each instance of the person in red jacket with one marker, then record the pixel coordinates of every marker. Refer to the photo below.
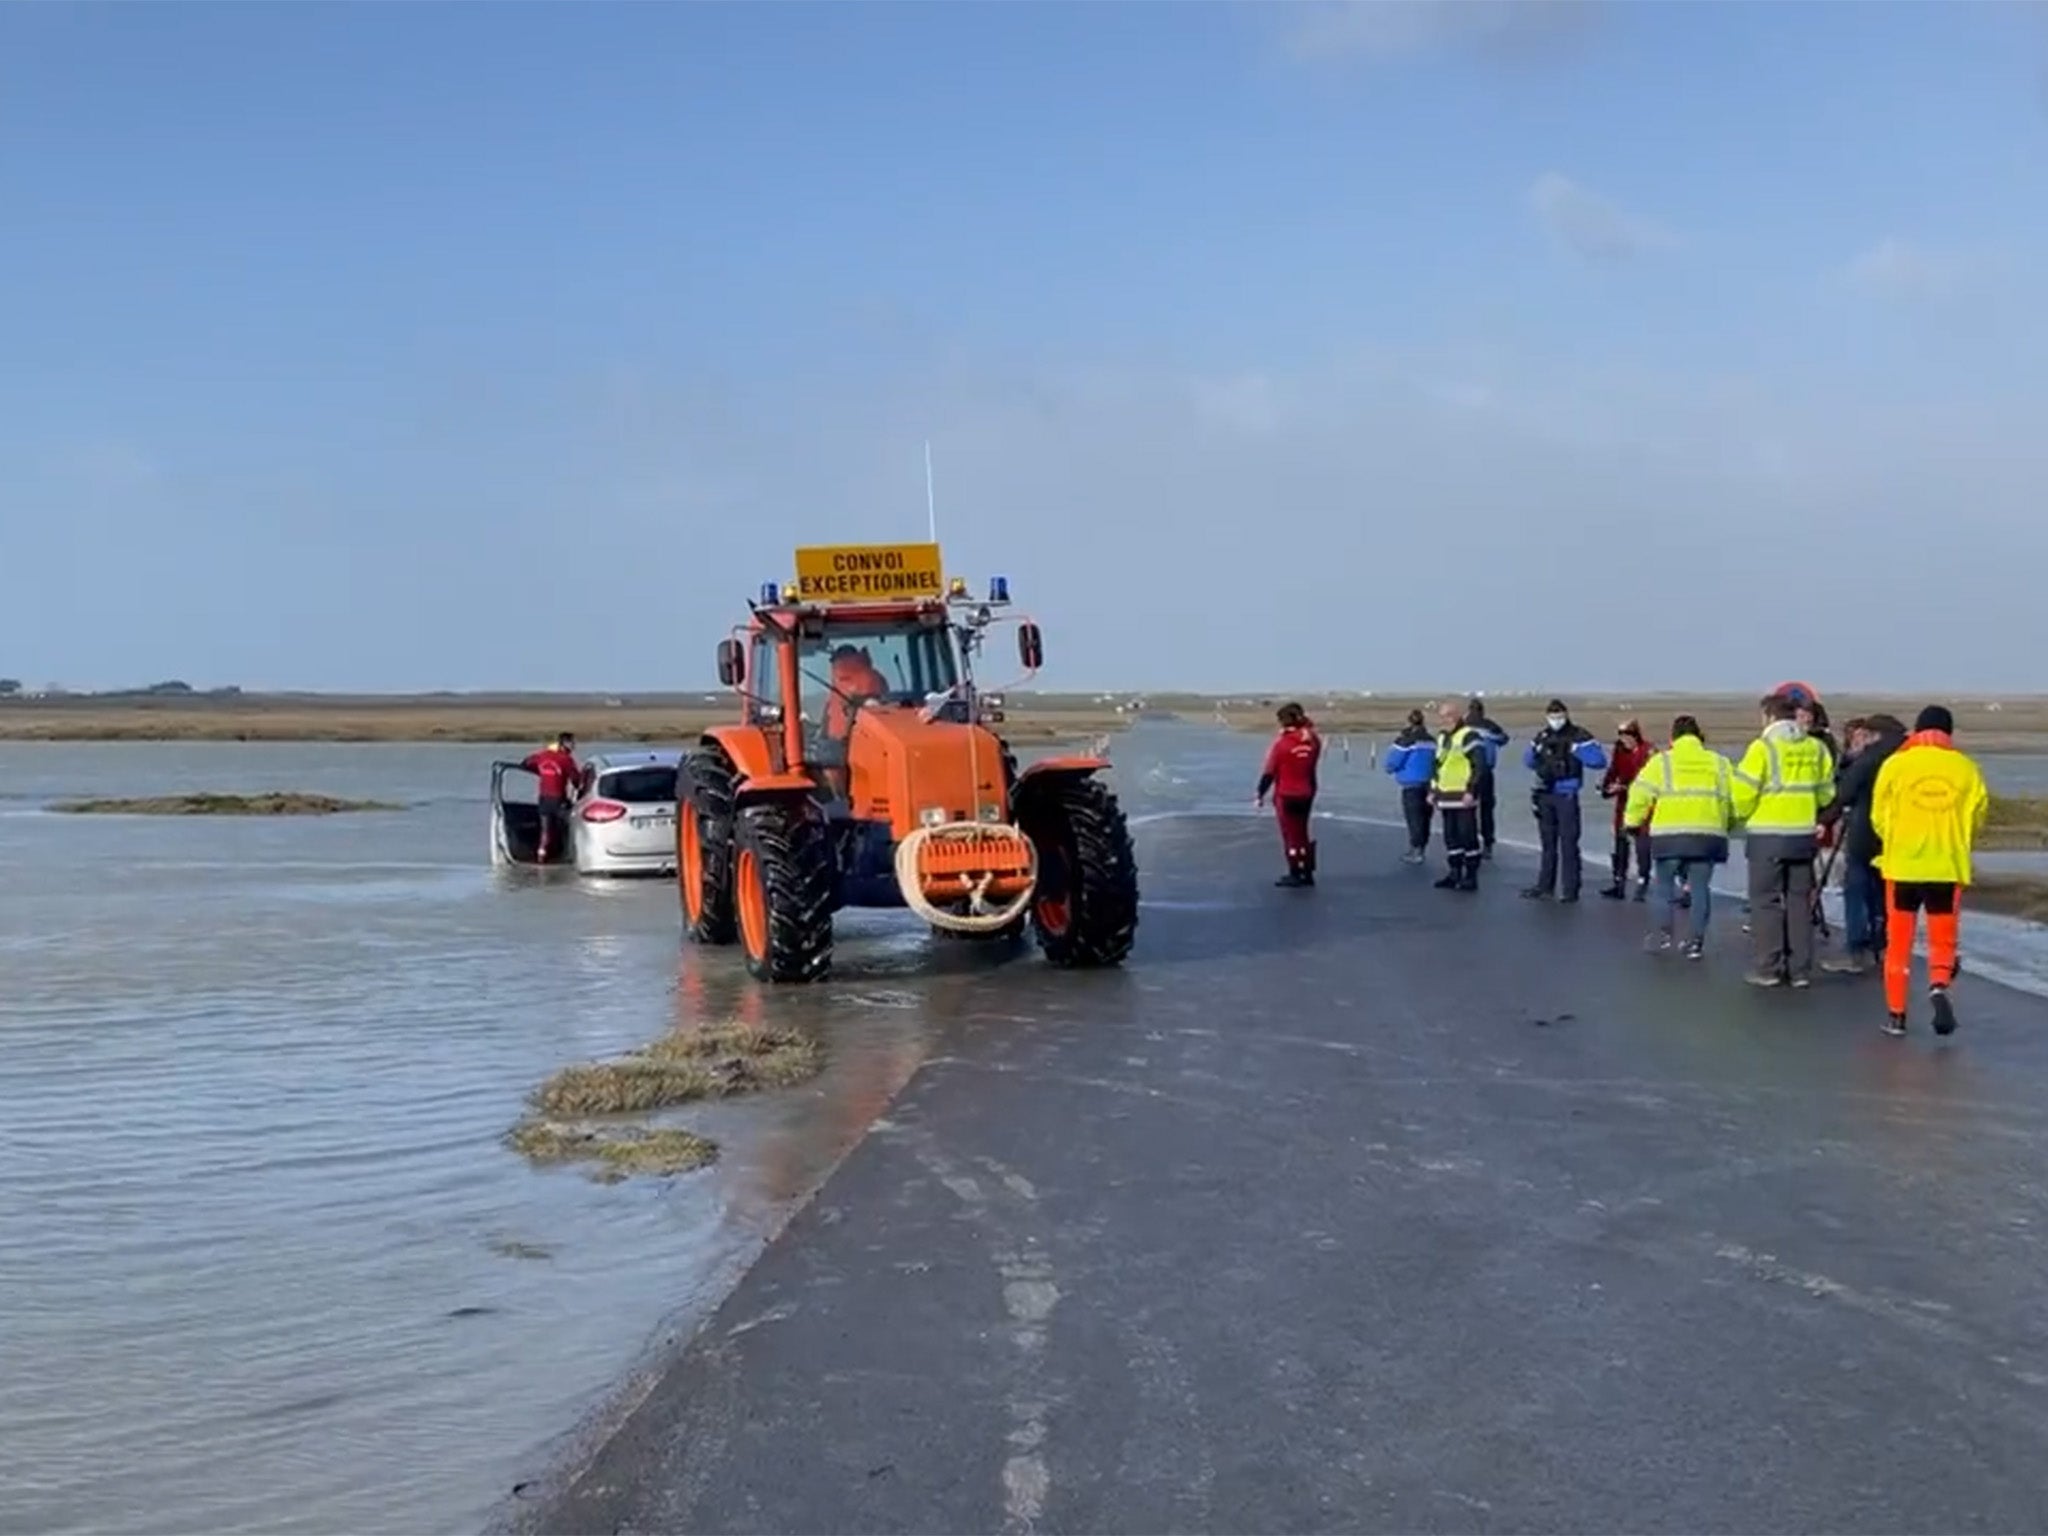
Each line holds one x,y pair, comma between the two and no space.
561,776
1631,754
1290,774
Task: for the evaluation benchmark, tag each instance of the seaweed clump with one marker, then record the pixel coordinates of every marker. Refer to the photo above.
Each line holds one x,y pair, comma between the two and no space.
575,1112
272,803
618,1152
681,1068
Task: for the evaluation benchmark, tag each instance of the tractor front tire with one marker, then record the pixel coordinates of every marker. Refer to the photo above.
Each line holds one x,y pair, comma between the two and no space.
704,849
784,880
1085,911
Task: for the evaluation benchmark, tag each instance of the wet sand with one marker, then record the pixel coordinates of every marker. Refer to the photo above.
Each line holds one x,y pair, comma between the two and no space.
1383,1208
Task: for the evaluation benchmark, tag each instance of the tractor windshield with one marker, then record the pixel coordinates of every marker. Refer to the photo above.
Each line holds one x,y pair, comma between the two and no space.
885,663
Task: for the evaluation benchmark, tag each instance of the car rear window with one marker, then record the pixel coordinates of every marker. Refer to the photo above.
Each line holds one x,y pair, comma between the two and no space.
638,786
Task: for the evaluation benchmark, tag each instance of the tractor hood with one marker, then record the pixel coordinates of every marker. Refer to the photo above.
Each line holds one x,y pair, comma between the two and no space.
902,768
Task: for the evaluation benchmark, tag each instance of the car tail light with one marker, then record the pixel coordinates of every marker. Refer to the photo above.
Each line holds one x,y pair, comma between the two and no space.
603,810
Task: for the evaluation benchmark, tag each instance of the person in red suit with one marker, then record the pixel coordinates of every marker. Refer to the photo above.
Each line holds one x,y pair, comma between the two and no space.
1290,775
1631,753
561,776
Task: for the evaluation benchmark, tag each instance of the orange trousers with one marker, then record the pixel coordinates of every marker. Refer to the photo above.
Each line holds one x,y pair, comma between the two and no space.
1903,904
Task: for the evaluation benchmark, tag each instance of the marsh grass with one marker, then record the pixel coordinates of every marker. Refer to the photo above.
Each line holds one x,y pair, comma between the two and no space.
435,720
576,1113
269,803
2021,896
2016,821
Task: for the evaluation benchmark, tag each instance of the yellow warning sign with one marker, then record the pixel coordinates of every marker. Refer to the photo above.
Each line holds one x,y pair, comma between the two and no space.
856,573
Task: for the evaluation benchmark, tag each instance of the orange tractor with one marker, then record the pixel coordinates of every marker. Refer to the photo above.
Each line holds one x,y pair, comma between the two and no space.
864,772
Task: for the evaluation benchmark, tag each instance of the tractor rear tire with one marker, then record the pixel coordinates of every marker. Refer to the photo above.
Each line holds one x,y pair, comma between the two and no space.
784,883
704,849
1085,913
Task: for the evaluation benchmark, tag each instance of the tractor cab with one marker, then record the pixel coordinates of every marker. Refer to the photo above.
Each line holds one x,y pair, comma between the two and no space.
820,668
866,769
810,662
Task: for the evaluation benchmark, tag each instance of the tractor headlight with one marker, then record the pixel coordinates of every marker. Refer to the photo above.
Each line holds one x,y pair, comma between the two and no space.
932,816
991,813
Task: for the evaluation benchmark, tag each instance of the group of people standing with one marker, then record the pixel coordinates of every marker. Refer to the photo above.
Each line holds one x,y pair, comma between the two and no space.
1901,809
1453,773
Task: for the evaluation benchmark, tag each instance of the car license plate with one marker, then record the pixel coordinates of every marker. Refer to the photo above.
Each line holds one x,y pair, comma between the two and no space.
651,821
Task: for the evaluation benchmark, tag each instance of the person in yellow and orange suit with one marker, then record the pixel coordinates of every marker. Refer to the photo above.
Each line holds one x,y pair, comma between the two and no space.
1928,809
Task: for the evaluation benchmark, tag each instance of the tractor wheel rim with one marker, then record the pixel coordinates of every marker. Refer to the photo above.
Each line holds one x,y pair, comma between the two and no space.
753,903
692,866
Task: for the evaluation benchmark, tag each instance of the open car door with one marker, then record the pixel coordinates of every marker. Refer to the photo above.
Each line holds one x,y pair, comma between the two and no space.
515,824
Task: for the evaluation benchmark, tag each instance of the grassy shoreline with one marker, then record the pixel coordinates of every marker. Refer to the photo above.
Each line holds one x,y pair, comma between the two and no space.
2020,896
430,720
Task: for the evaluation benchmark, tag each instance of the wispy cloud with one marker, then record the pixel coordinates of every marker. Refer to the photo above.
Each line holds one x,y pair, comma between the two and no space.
1387,29
1902,271
1589,224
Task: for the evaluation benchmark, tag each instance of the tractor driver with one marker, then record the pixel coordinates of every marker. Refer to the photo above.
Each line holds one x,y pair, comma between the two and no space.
855,680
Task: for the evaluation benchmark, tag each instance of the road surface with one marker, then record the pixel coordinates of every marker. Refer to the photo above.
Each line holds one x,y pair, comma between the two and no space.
1384,1208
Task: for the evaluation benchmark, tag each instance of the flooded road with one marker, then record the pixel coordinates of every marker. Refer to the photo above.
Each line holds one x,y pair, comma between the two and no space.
267,1264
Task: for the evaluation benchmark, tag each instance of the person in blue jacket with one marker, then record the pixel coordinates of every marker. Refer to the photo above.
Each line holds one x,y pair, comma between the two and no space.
1561,756
1411,760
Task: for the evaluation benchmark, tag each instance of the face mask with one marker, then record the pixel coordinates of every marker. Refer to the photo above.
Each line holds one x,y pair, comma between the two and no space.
1555,722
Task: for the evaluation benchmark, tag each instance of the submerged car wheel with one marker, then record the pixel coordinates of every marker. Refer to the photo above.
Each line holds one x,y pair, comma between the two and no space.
783,882
704,849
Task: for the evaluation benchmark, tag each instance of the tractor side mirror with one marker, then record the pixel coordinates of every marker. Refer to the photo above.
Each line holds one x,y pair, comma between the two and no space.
1030,647
732,663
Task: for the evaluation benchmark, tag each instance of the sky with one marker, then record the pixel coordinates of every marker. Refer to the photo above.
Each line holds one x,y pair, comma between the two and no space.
1502,344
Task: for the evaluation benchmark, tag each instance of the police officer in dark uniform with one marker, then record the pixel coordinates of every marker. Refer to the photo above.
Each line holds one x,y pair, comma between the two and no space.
1561,756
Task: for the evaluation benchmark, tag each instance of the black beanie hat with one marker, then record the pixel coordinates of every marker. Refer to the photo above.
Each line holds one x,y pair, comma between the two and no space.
1936,717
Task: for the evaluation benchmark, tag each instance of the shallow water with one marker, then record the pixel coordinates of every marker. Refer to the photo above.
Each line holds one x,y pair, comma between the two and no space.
266,1265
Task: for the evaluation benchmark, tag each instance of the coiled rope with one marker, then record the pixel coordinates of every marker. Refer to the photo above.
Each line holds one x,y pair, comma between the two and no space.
979,917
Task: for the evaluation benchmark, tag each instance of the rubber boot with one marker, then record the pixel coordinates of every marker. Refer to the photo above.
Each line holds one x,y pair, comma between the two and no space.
1308,865
1469,880
1293,876
1454,877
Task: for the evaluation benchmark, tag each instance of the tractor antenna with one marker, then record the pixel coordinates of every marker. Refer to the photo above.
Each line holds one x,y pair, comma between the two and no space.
931,507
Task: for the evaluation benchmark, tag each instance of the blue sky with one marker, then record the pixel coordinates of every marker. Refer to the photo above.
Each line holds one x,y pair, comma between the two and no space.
1262,345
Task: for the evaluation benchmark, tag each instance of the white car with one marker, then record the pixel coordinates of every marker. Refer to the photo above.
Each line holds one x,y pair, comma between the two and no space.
625,823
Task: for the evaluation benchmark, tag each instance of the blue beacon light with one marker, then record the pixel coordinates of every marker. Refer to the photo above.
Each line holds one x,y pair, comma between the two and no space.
999,589
770,591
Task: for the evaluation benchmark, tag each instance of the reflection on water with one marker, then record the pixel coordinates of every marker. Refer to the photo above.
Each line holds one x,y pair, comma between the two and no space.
265,1262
